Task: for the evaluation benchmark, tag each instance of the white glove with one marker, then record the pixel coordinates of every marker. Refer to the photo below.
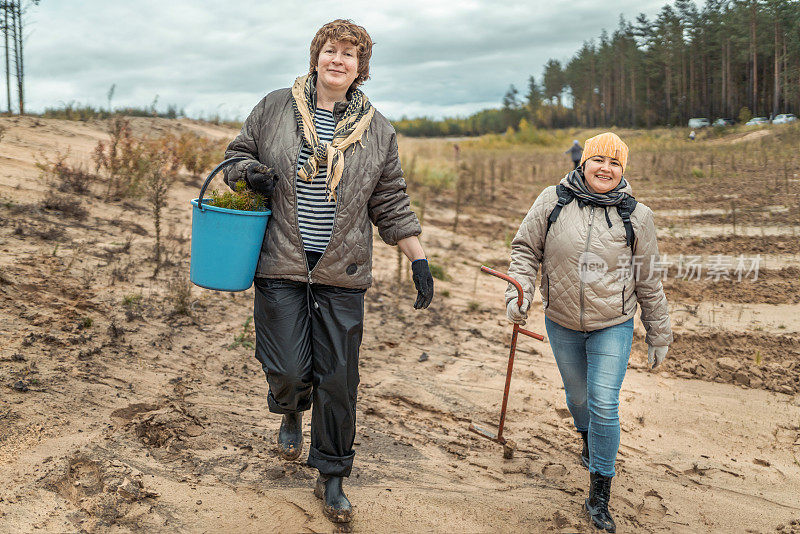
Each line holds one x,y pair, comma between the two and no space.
517,314
656,355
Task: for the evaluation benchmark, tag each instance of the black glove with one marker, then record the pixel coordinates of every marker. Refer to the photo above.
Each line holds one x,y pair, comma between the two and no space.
261,179
423,281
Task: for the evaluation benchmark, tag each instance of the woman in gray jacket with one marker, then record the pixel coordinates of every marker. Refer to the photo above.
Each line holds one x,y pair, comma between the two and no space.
596,247
328,162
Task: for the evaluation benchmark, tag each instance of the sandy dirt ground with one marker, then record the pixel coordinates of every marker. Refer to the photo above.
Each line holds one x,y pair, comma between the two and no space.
118,414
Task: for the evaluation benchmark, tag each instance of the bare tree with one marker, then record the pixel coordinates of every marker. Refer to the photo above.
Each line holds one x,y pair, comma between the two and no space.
162,168
8,68
12,13
16,9
754,55
110,95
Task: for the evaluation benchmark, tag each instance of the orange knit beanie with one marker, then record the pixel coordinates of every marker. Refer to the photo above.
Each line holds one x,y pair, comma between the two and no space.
606,144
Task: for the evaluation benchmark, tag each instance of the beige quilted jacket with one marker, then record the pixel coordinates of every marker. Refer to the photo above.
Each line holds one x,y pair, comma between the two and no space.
589,278
372,191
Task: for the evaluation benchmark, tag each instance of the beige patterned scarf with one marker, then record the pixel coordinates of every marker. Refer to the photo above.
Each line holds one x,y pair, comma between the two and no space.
349,130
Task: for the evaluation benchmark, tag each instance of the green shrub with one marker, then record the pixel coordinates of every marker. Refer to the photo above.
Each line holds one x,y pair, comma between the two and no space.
246,337
241,199
180,295
745,115
131,300
719,131
436,179
123,160
437,271
197,154
62,177
75,111
509,237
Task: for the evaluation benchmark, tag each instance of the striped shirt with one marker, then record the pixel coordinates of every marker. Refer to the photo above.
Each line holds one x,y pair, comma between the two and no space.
314,212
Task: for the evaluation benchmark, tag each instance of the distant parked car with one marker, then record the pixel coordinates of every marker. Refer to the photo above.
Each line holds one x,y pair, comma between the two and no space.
699,122
723,122
757,121
784,118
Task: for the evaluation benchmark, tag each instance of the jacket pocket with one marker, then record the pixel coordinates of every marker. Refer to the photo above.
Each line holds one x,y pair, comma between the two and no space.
362,254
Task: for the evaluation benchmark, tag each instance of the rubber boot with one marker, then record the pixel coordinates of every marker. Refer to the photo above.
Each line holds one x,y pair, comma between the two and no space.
585,451
336,506
597,503
290,436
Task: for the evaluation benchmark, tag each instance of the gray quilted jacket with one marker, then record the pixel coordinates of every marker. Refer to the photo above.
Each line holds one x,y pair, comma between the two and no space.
612,282
372,190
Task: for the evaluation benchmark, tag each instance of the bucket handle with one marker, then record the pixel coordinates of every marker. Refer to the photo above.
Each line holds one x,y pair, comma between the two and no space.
229,161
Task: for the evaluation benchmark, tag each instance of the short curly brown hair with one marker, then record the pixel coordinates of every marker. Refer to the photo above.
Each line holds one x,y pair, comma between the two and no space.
344,30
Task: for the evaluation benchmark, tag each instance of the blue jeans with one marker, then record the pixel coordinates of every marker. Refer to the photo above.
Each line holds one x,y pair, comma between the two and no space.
592,366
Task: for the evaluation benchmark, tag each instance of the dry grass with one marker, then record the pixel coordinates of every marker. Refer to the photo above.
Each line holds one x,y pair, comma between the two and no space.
739,170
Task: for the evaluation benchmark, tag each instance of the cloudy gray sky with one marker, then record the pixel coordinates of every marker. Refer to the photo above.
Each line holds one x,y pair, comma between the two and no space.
431,57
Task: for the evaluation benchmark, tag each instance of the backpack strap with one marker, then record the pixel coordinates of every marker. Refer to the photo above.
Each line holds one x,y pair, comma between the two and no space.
625,209
565,196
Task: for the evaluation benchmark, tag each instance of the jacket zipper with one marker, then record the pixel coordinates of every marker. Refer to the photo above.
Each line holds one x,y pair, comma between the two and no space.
548,291
309,293
296,211
585,250
335,209
297,218
623,299
333,228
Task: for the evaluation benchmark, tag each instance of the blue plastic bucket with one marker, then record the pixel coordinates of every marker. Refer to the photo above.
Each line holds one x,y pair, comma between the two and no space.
225,243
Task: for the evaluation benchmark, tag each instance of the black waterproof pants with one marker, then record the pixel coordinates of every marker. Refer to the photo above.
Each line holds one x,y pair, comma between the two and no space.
307,340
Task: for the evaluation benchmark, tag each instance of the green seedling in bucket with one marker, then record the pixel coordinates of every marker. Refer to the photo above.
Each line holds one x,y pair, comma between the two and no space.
241,199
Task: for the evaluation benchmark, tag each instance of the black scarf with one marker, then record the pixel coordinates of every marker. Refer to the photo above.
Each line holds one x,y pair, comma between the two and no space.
577,183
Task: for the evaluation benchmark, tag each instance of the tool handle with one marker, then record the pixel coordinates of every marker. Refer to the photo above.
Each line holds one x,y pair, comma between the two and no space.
510,280
528,333
507,278
218,168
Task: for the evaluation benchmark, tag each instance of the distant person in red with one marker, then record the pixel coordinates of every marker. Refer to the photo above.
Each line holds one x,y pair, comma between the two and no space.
575,152
328,161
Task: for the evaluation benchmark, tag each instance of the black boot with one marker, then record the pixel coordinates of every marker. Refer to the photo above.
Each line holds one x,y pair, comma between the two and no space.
336,507
290,436
585,451
597,503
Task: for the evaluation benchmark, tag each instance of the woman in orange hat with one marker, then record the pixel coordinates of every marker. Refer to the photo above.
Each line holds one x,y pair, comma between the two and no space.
596,247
